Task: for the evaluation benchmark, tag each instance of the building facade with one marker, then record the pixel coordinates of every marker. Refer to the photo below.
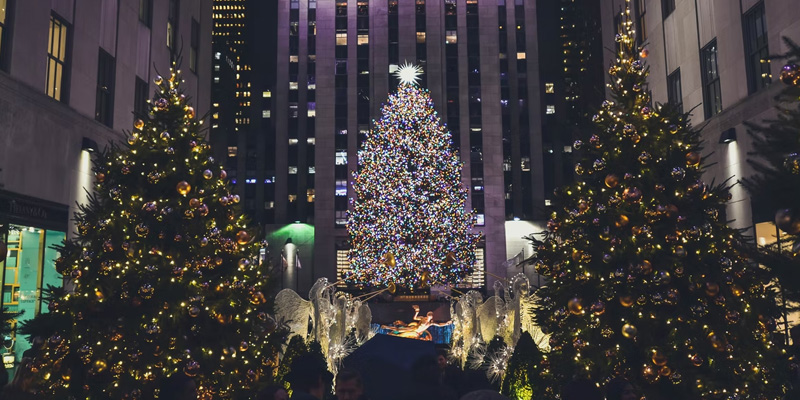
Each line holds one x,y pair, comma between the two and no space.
334,70
711,58
72,74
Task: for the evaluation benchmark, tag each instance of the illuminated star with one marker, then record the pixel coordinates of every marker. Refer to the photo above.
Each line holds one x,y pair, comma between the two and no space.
408,73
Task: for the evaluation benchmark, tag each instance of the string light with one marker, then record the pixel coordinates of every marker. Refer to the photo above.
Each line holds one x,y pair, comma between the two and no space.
409,224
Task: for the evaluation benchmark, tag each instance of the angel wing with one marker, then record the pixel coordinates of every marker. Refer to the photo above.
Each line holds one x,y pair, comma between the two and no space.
296,311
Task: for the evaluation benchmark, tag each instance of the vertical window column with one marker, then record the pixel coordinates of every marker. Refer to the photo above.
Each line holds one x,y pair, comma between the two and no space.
104,101
362,80
4,33
341,114
394,43
172,24
57,66
756,48
451,62
311,111
712,93
475,112
422,47
521,107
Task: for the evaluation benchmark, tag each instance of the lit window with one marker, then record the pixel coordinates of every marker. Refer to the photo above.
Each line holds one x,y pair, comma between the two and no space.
216,67
293,59
292,141
269,205
480,219
341,188
292,85
312,113
341,39
215,115
363,39
526,164
520,55
567,149
311,140
312,170
292,198
451,37
551,109
232,150
292,170
341,158
420,37
265,113
56,58
216,79
310,195
549,88
267,94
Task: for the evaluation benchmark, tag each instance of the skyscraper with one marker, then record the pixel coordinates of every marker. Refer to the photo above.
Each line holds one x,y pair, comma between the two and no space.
333,65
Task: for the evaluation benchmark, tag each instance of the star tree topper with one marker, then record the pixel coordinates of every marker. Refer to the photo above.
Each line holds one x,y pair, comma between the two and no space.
408,73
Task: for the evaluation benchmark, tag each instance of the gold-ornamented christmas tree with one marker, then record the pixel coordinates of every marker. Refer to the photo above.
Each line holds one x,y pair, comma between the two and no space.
645,279
165,270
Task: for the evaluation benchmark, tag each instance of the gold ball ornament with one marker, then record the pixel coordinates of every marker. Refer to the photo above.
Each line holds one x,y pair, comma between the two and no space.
574,306
391,287
258,298
207,174
183,188
737,290
621,221
644,53
665,371
194,202
717,341
242,237
629,331
696,360
425,278
190,112
389,260
693,158
612,180
626,301
712,289
658,357
138,124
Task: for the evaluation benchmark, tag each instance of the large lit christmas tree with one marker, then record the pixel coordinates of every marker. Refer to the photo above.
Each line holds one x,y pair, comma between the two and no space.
776,187
408,224
645,279
165,271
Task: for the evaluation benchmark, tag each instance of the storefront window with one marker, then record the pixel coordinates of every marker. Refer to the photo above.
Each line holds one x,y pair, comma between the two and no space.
29,266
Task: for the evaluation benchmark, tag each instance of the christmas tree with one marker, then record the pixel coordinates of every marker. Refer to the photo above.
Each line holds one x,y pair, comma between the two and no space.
776,187
408,224
645,279
523,373
166,273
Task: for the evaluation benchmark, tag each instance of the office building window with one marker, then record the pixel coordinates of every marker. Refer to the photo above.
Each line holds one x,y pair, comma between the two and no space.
4,37
549,88
140,97
104,102
146,12
641,25
172,23
712,93
195,45
756,48
667,7
551,109
674,92
57,59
